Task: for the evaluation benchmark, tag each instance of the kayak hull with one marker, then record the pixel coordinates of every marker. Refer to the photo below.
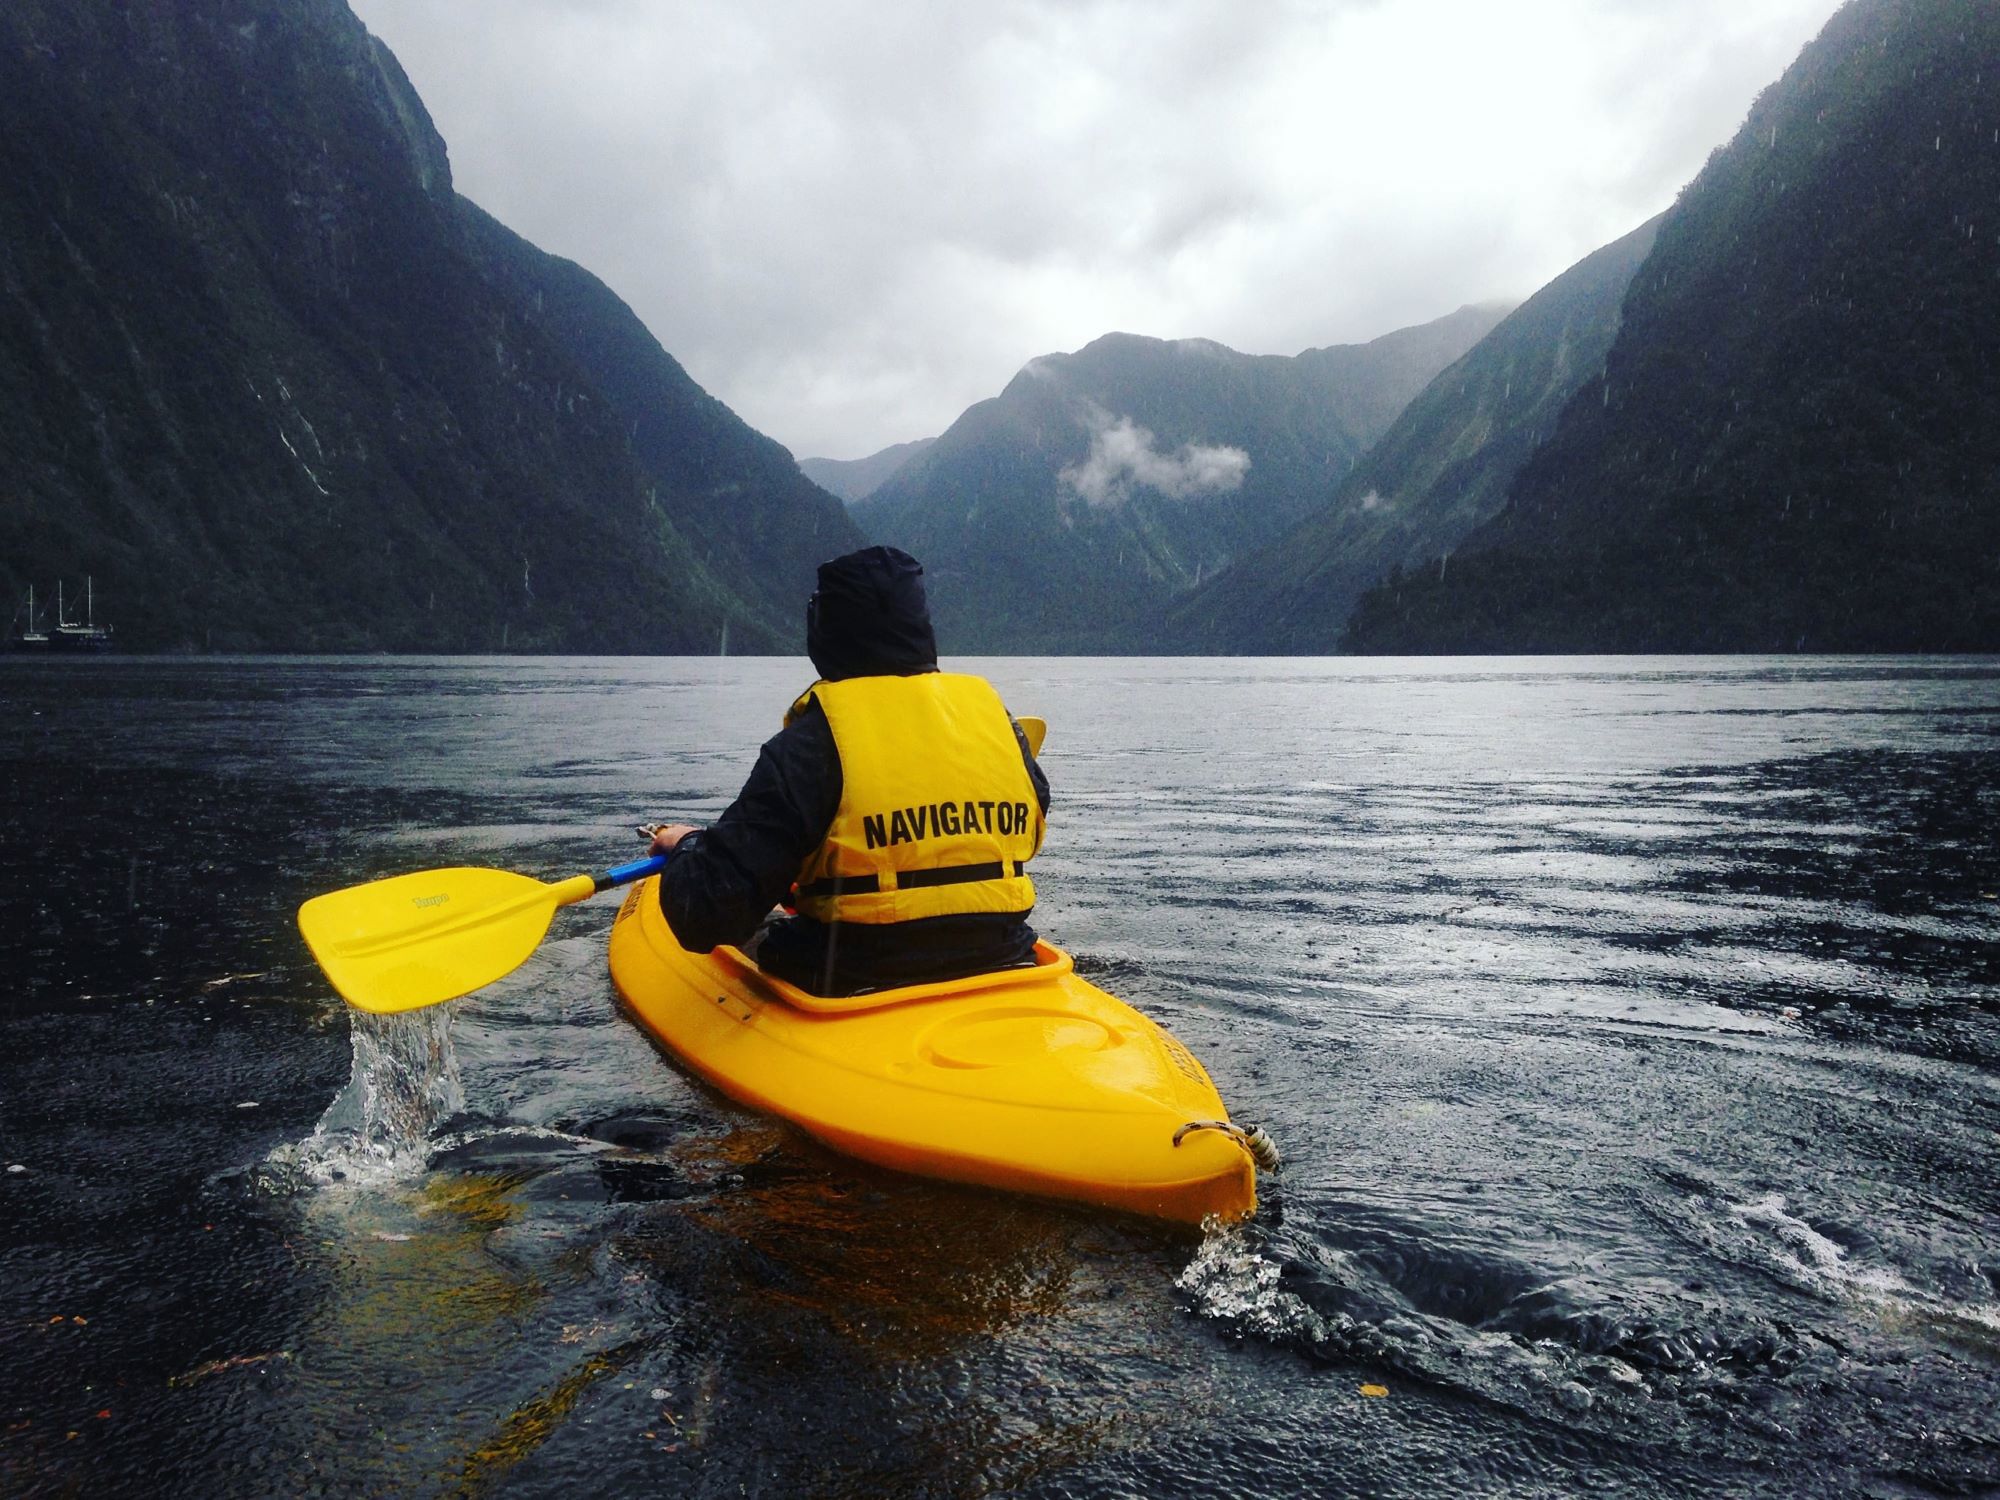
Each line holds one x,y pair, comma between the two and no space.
1032,1080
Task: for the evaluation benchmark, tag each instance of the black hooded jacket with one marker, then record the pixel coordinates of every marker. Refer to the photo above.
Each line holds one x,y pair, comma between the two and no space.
869,617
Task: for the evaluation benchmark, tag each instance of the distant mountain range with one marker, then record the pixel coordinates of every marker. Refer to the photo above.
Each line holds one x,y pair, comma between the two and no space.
1794,443
270,380
1442,469
1063,514
857,478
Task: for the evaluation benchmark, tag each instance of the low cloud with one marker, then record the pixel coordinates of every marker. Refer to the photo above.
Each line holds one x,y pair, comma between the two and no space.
1125,457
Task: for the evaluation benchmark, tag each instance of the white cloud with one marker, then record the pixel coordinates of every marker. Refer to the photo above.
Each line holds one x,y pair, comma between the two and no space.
1124,457
852,220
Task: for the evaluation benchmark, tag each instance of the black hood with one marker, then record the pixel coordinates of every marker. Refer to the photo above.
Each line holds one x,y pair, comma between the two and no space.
870,617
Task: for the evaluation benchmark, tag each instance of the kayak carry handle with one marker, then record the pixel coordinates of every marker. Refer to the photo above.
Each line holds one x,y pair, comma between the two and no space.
1253,1138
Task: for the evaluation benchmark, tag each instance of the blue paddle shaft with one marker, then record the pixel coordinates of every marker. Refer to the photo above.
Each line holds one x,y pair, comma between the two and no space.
639,869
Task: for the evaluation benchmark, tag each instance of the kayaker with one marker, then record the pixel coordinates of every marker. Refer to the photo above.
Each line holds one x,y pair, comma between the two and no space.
902,802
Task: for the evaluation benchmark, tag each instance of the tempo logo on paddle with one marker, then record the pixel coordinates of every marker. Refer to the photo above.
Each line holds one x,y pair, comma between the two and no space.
437,900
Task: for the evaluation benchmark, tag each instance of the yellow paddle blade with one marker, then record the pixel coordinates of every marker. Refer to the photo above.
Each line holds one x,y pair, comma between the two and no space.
416,940
1035,729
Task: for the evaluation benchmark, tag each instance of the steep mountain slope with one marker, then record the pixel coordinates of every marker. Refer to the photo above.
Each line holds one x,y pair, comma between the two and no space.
1439,471
857,478
266,377
1061,514
733,494
1796,441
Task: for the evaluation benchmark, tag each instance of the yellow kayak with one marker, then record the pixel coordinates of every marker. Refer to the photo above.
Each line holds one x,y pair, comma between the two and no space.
1029,1079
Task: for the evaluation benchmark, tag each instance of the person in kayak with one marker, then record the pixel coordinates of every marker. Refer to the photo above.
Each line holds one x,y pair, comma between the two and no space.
897,809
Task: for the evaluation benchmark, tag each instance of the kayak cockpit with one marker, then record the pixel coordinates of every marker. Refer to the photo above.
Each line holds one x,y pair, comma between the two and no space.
1050,963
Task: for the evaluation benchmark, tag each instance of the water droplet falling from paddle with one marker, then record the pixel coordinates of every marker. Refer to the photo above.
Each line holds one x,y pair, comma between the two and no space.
404,1083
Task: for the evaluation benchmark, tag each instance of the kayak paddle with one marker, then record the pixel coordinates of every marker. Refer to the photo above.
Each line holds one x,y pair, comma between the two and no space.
416,940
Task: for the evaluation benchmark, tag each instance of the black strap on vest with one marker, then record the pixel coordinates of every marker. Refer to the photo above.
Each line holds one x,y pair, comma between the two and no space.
908,880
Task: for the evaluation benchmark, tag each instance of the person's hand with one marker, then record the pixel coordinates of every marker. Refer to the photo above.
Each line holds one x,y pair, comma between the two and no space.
667,835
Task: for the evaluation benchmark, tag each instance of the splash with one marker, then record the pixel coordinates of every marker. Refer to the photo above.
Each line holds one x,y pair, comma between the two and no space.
1231,1281
1802,1256
1809,1259
405,1082
1564,1345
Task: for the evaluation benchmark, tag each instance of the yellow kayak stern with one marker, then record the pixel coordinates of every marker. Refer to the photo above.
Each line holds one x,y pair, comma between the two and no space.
1031,1079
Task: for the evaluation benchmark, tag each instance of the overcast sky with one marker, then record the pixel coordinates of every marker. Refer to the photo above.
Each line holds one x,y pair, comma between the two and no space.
850,221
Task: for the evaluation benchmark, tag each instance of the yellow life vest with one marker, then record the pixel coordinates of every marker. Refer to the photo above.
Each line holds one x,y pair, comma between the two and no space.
937,814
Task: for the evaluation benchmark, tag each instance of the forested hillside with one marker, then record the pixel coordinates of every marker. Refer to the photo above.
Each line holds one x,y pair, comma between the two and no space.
1442,469
1795,444
268,379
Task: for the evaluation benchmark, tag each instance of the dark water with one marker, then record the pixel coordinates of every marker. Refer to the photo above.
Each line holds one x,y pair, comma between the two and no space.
1630,1028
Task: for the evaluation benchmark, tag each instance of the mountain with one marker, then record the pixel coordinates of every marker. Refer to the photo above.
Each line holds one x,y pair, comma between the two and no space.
1063,513
268,378
1795,443
731,494
857,478
1440,470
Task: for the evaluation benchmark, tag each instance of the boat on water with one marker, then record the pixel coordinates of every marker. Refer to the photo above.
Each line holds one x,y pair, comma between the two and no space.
1029,1079
34,638
84,635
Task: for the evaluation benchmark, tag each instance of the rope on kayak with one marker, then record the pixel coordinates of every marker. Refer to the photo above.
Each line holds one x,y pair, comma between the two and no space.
1254,1139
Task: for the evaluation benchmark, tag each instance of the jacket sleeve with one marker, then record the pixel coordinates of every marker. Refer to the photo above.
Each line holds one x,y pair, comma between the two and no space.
1035,772
722,881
